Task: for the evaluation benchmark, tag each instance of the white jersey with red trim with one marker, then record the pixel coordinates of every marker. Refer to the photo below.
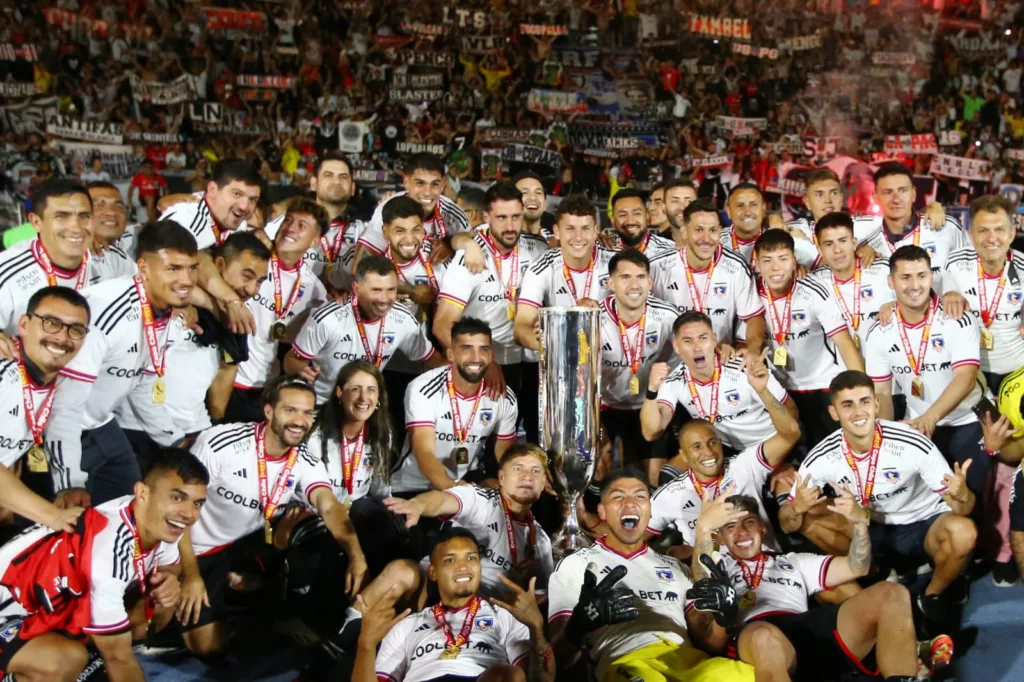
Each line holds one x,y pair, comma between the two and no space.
102,373
656,346
454,220
482,513
951,344
731,296
678,502
544,284
908,477
658,582
109,568
742,420
874,293
262,364
938,243
15,436
330,339
411,651
362,473
653,245
341,237
787,581
961,274
196,217
111,264
482,295
805,251
812,359
427,404
21,275
233,508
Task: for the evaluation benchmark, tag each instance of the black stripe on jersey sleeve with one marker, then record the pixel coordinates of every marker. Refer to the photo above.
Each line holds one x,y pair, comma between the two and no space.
676,374
434,386
56,451
962,255
15,267
732,255
529,237
4,366
828,445
511,397
545,261
325,311
124,551
199,219
102,320
454,217
954,221
905,434
816,287
402,310
659,304
230,436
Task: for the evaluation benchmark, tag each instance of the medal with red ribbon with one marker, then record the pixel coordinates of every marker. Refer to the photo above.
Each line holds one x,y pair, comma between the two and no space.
511,290
510,531
697,301
567,274
332,249
139,561
375,358
917,362
350,460
441,230
43,258
157,357
695,396
865,488
36,422
461,434
700,487
634,352
270,500
424,262
780,328
280,310
988,312
752,577
852,318
453,645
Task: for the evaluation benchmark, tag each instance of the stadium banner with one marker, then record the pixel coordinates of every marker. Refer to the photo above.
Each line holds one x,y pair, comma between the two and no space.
961,167
490,163
28,117
116,158
228,129
13,90
1016,154
595,136
421,29
390,42
256,81
800,43
82,24
161,94
477,19
258,96
371,176
227,19
208,112
71,128
749,50
525,153
440,60
10,52
577,57
893,58
720,27
351,136
949,138
555,101
502,135
976,44
923,143
543,29
480,44
716,161
420,148
403,95
162,138
417,80
741,127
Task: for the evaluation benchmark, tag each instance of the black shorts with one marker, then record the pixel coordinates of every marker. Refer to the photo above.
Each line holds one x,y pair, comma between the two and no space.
814,635
902,546
625,424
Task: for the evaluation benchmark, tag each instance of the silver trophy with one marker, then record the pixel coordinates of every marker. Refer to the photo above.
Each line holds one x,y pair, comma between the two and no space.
569,404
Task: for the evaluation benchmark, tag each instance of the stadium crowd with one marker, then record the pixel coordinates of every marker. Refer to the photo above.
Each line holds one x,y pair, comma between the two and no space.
269,335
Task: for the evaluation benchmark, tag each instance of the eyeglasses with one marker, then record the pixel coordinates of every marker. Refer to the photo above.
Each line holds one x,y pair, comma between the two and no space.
54,325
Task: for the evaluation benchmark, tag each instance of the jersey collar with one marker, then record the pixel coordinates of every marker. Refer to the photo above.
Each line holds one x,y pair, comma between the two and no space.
639,552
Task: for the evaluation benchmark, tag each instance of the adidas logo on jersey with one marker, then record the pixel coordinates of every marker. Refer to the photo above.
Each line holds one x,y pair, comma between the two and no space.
895,348
972,292
242,473
347,339
14,411
493,527
423,628
134,348
607,347
563,291
674,286
688,505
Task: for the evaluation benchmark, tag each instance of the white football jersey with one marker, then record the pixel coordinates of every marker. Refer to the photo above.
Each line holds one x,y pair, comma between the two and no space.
482,513
262,364
452,219
656,346
544,284
742,420
938,243
333,247
679,502
730,293
362,472
110,566
961,274
805,251
804,225
658,582
21,275
651,246
787,580
482,295
427,404
873,293
908,479
330,339
951,344
411,651
113,263
813,360
233,508
15,436
196,217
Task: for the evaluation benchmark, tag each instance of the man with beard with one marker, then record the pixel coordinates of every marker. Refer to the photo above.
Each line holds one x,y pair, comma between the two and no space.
462,637
109,225
576,273
706,276
449,416
536,220
622,601
104,581
773,629
492,295
90,458
678,194
918,506
50,333
629,220
642,326
370,326
657,215
746,210
256,469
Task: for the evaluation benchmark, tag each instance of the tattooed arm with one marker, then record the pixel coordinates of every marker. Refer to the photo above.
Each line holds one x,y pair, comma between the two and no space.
857,563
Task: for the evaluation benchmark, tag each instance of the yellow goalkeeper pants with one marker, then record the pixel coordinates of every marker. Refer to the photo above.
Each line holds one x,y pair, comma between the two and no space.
668,662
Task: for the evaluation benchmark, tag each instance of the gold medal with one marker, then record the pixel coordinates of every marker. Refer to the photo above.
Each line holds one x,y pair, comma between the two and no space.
37,463
268,532
159,391
422,314
987,340
511,312
917,388
450,652
781,357
634,385
748,600
856,341
278,331
461,456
